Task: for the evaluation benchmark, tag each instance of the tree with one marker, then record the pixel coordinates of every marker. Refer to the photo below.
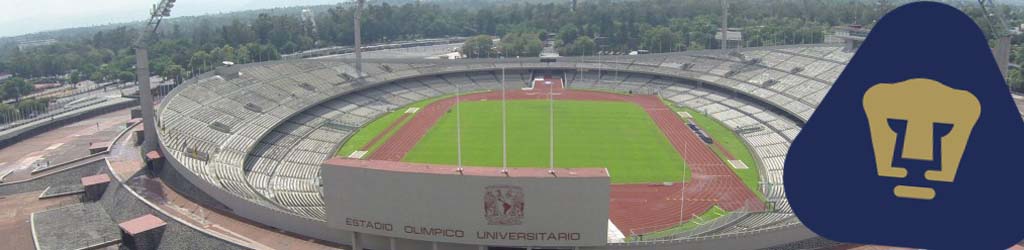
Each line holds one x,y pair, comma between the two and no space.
290,47
174,72
125,76
521,44
568,33
263,27
96,76
305,42
660,39
478,46
260,52
200,60
8,113
269,52
109,73
159,66
694,46
15,88
622,25
243,55
1015,79
75,77
32,107
696,33
238,33
582,46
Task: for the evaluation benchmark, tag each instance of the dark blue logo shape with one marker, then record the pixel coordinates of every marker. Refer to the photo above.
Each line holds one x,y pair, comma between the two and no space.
917,144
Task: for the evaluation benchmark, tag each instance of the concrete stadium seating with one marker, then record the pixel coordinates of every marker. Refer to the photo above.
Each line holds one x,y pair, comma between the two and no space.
262,135
769,144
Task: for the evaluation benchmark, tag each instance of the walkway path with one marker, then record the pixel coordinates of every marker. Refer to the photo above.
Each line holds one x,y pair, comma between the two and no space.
15,210
60,144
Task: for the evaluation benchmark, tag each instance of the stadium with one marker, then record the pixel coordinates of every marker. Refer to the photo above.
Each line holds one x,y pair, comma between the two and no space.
272,141
416,144
657,151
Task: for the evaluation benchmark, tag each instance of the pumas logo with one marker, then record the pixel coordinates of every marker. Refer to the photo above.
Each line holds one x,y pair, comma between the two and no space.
504,205
909,113
916,144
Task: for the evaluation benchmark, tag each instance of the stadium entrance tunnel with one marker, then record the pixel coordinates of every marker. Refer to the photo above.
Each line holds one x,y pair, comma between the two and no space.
543,73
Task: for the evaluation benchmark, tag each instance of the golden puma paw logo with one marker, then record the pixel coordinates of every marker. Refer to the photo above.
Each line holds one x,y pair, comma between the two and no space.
921,103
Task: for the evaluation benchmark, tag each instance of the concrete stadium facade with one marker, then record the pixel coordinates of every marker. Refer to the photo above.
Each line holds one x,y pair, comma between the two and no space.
437,203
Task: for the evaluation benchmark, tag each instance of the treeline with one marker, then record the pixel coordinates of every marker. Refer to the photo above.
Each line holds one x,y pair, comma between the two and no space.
1015,74
109,57
192,45
21,110
12,89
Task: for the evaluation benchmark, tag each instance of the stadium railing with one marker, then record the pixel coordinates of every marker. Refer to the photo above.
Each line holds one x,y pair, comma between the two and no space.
788,225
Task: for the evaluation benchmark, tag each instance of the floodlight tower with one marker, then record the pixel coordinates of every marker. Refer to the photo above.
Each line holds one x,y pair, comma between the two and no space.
725,24
359,38
157,14
1002,33
308,18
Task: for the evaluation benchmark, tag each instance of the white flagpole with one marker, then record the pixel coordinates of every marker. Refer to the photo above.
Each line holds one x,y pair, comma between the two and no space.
579,64
551,111
458,126
682,200
504,127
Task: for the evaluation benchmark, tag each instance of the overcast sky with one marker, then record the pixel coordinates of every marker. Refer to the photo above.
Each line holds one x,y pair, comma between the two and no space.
19,17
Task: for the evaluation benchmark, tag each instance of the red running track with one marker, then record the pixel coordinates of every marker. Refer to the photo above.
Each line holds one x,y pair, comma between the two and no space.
385,132
634,208
640,208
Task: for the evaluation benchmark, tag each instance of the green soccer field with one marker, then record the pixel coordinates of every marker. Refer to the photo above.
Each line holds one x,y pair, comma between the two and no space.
619,136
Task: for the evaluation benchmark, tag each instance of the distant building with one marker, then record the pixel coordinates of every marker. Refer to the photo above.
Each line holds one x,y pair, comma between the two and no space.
24,45
733,37
851,35
42,86
1017,30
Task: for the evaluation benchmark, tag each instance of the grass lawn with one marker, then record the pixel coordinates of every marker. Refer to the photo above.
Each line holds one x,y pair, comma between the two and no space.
365,134
712,213
619,136
731,142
